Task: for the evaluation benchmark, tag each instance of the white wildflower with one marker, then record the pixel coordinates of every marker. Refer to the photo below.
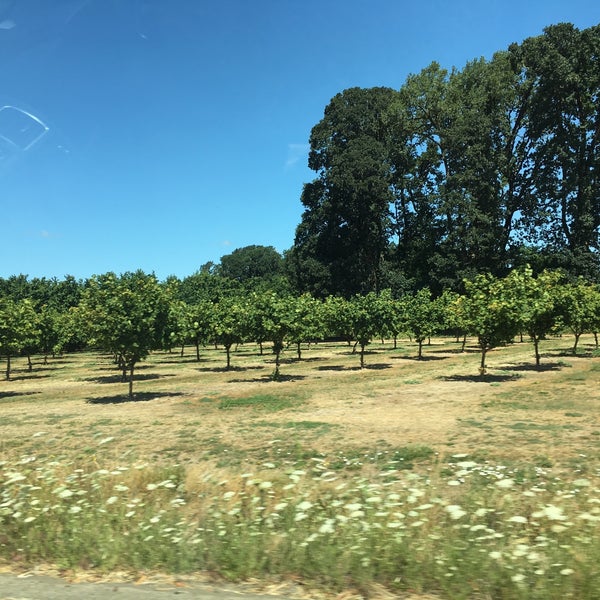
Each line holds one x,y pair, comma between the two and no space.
517,519
505,483
328,526
582,483
466,464
455,511
551,512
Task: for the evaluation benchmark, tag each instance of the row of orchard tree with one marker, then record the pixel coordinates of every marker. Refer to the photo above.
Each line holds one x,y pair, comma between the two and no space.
133,314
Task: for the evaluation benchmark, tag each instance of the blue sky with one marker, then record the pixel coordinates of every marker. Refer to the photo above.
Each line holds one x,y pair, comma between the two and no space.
162,135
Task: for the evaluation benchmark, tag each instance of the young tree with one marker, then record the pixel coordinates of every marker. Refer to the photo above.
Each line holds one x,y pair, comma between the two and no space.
338,319
578,306
537,301
230,318
369,319
360,319
125,315
279,324
307,323
199,319
18,328
490,310
422,317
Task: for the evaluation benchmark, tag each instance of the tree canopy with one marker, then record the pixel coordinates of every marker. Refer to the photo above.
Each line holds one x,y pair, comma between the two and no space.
458,173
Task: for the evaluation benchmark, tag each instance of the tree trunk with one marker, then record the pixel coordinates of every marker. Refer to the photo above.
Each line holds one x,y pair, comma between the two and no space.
362,356
29,363
577,336
7,367
536,347
420,354
464,343
299,350
182,347
228,352
198,351
482,365
131,381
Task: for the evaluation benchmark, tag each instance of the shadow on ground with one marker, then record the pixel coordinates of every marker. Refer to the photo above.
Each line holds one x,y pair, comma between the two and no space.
136,377
545,366
425,358
487,378
27,375
187,359
232,369
268,378
139,397
4,395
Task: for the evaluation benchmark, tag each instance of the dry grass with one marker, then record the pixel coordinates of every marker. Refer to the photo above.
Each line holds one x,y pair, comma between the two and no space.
200,415
196,424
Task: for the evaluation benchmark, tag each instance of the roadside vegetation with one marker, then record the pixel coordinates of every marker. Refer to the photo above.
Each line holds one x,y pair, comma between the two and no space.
405,475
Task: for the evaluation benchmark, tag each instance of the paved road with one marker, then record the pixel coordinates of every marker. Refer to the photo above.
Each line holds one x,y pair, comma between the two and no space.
43,587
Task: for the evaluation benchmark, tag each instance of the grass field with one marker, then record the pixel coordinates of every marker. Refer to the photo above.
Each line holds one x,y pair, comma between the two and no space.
407,475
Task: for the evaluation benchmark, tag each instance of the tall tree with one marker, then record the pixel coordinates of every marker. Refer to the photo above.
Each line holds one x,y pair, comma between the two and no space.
563,71
252,263
343,235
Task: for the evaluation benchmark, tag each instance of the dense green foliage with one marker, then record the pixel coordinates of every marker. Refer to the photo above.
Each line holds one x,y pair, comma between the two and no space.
458,173
133,314
125,315
466,202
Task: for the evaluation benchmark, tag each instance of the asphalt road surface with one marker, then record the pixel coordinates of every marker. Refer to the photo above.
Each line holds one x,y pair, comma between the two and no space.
43,587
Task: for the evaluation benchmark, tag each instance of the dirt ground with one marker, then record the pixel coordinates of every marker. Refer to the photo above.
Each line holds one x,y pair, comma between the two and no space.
198,413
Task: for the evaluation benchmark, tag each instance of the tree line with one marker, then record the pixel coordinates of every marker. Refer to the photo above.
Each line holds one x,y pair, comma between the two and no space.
480,169
133,314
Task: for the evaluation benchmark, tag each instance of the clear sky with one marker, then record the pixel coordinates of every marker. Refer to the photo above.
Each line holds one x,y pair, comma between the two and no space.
161,134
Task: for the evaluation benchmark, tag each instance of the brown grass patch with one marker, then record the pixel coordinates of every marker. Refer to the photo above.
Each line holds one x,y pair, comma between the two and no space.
324,405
